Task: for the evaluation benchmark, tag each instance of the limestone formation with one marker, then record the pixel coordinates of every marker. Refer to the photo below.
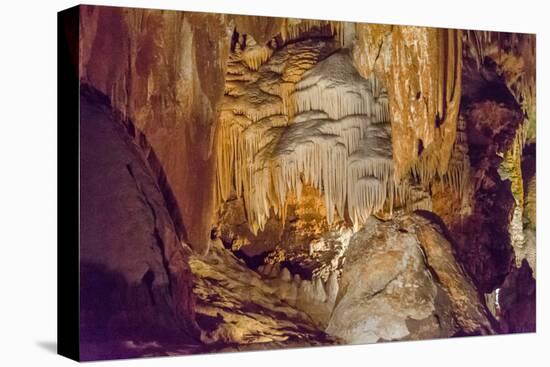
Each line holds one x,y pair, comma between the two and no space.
401,281
421,68
252,182
337,137
285,275
236,306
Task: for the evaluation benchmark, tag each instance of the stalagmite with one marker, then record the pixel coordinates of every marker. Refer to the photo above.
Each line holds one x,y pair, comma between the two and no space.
267,269
319,291
491,300
305,293
292,294
274,273
288,292
332,287
285,275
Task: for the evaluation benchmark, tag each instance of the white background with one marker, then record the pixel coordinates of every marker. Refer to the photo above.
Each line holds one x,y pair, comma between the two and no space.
28,182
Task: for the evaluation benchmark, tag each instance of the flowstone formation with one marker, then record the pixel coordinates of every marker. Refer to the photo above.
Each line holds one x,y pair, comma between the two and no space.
331,132
422,70
303,182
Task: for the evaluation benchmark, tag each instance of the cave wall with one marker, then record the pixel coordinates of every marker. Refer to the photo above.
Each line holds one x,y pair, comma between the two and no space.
135,281
421,67
165,71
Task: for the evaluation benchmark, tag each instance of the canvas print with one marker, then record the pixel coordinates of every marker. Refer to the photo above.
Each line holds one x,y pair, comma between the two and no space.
257,182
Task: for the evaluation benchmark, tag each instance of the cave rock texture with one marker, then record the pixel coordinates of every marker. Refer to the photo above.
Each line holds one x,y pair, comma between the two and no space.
256,183
135,281
401,281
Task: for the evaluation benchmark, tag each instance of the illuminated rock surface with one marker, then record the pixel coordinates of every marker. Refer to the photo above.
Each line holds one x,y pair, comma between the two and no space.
401,281
236,306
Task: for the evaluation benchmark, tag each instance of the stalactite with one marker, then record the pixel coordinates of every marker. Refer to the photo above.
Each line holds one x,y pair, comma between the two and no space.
254,55
286,90
333,113
340,91
517,66
247,104
300,59
457,177
293,29
328,128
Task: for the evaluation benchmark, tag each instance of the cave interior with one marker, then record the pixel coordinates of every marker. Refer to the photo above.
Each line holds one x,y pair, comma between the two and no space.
258,183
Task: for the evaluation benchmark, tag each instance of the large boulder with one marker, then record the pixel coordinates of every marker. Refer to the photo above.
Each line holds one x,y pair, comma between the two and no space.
135,282
400,281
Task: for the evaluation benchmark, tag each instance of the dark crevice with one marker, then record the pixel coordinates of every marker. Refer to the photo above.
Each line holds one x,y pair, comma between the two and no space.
158,239
148,280
420,147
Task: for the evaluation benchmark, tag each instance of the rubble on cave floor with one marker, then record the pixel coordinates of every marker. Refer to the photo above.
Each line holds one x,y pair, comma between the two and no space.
237,307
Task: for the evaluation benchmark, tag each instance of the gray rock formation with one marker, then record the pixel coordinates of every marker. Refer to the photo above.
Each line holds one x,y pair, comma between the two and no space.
399,283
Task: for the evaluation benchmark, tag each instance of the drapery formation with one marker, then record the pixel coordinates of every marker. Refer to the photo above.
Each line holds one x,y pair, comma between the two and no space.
422,68
304,116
